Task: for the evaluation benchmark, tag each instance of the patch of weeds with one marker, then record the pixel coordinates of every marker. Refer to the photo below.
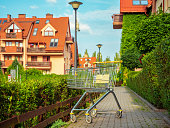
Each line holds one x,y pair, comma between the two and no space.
58,124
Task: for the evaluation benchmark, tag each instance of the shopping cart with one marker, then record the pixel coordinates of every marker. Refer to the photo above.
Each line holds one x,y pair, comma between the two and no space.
102,78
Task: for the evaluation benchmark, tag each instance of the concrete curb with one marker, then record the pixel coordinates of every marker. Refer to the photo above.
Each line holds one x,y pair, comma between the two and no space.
159,111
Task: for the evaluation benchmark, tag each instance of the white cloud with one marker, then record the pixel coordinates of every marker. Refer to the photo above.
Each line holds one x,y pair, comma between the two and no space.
82,26
34,6
51,1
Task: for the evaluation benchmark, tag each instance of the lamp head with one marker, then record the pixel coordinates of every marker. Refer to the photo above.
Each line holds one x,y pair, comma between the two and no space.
75,4
99,45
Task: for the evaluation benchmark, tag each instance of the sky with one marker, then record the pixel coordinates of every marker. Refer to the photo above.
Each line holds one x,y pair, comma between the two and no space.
94,17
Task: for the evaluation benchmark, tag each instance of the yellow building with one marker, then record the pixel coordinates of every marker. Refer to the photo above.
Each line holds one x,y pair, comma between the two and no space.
41,43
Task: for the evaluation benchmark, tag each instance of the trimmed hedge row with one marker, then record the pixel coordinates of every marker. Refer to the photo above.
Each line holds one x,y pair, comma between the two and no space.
18,98
153,82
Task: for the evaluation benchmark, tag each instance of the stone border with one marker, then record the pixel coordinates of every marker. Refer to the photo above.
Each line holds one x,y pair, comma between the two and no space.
165,118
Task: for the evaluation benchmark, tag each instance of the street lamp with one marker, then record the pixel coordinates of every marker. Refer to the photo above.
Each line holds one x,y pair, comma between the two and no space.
75,5
99,46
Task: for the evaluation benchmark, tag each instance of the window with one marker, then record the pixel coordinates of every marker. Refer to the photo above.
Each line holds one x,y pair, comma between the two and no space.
54,43
21,44
46,58
33,58
8,57
0,21
4,21
37,22
140,2
17,44
13,29
48,32
0,28
19,58
47,21
35,31
8,43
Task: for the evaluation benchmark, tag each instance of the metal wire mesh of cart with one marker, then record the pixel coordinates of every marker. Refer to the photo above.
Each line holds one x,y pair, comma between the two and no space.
97,79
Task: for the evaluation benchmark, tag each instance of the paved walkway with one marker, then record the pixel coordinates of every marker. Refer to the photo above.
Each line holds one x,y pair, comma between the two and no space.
135,113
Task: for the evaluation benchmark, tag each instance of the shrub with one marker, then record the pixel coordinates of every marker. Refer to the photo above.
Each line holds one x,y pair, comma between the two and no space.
152,82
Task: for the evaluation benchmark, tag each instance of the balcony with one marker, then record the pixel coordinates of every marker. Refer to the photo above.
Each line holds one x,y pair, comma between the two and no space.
11,36
11,49
7,63
117,21
69,40
39,64
36,50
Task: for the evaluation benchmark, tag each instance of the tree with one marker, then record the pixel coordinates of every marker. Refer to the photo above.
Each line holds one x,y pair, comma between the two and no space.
14,66
86,53
94,54
98,57
152,31
107,58
79,54
117,57
131,58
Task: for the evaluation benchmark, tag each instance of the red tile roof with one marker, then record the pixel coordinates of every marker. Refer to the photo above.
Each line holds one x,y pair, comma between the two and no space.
60,24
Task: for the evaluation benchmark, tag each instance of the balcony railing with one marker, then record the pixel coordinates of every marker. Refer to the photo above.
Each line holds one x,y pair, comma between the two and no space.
117,21
36,50
11,49
11,35
39,64
69,39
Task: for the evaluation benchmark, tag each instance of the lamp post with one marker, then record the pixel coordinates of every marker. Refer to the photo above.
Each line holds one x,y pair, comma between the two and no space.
75,5
99,46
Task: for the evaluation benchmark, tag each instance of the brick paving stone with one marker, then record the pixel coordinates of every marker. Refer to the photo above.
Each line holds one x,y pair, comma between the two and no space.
136,114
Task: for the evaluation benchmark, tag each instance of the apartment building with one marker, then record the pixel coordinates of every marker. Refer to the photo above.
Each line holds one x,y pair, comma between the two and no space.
41,43
85,62
138,6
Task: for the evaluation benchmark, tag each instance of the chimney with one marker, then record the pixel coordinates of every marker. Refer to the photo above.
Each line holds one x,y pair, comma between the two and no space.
48,15
34,17
21,15
8,18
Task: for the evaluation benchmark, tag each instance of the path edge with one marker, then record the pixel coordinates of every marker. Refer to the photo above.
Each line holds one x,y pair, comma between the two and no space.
165,118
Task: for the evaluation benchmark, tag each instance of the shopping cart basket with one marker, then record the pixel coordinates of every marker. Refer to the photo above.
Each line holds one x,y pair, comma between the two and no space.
102,78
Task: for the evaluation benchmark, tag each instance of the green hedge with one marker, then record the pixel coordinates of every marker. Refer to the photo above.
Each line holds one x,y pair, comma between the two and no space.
153,81
18,98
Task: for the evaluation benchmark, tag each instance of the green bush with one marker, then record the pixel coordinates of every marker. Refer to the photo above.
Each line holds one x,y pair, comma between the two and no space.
18,98
152,82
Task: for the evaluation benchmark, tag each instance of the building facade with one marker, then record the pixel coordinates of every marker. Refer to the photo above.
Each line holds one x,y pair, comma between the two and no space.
139,6
87,62
41,43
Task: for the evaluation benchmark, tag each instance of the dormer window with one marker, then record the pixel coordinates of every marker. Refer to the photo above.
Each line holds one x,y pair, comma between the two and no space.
37,22
47,21
4,21
48,32
13,29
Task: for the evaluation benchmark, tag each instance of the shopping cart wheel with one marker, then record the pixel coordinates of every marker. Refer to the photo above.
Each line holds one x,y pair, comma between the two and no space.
119,114
94,113
73,118
88,119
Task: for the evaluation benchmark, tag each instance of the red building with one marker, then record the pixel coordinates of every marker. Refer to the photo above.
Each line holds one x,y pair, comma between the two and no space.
85,62
131,6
